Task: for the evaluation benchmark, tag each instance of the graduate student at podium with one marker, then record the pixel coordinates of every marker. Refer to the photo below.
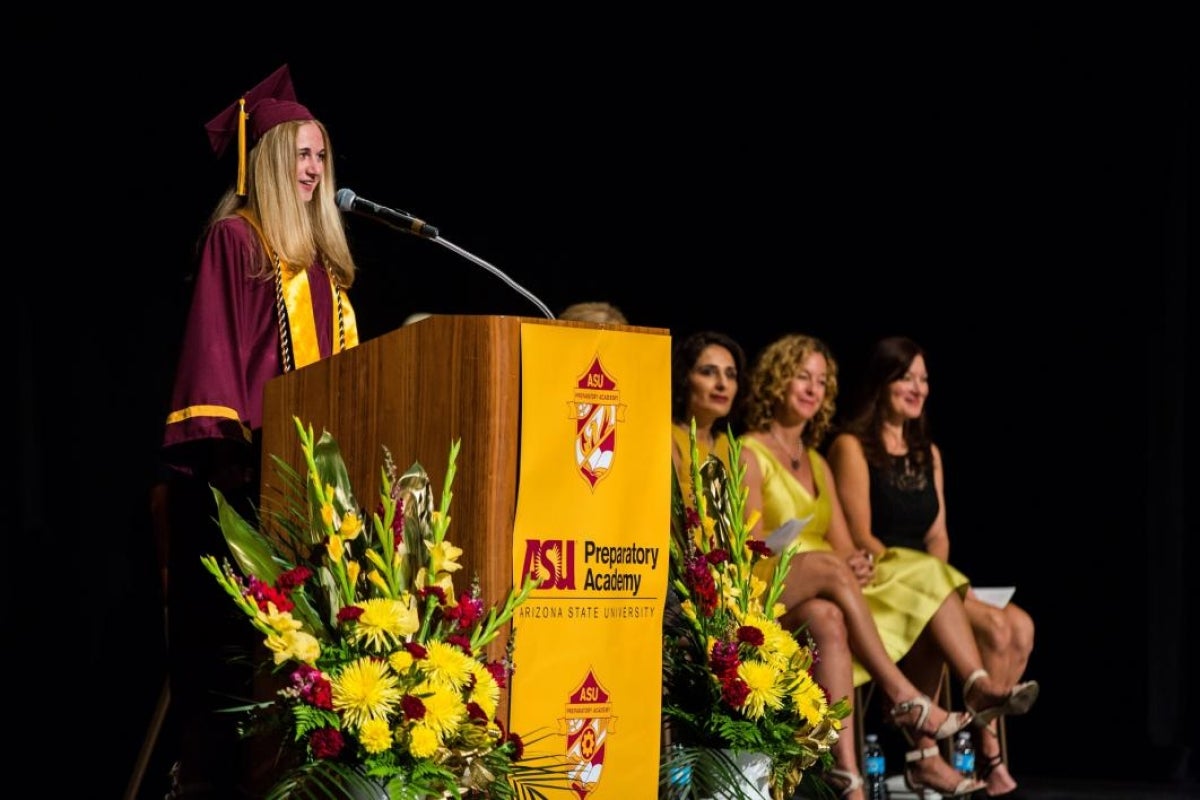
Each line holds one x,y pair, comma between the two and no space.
269,297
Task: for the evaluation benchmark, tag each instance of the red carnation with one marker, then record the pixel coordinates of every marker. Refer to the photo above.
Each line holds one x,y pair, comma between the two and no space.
326,743
735,692
518,746
461,642
349,614
717,556
293,578
474,711
413,707
759,547
436,591
750,635
416,650
499,673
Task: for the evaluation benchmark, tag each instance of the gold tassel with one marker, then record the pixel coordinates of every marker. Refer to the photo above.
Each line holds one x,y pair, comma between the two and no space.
242,117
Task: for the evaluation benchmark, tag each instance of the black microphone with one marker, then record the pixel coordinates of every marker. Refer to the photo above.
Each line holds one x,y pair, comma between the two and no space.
347,200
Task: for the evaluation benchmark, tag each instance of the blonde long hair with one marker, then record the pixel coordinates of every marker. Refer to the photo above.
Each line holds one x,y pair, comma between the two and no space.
298,232
773,370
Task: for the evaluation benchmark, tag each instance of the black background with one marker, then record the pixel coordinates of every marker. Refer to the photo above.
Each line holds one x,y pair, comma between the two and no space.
1011,193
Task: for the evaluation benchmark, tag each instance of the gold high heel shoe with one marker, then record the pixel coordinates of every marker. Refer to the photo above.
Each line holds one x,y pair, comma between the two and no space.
964,787
954,722
1019,700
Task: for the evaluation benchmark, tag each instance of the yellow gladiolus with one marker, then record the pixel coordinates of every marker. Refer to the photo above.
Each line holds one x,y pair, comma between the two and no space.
351,526
334,547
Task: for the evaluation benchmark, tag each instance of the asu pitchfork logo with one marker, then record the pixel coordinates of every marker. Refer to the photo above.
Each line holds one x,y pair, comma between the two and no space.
596,408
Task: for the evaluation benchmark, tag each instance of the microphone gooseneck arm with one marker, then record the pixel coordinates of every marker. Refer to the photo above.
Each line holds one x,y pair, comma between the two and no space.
347,200
521,290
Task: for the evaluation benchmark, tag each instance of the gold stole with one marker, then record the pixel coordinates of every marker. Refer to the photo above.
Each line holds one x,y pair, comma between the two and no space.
297,299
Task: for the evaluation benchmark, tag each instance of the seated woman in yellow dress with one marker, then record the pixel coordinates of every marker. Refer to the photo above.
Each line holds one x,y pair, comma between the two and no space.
911,595
890,481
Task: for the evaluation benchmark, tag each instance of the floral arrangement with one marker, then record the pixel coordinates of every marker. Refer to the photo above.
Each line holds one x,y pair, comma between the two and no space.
383,690
735,681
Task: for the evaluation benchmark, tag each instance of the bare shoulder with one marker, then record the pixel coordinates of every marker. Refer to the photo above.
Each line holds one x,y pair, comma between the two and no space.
845,445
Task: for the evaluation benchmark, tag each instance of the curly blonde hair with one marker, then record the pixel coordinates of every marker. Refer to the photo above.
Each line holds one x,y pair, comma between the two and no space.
773,370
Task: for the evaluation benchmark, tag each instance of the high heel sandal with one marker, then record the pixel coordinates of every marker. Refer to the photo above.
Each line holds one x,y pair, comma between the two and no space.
964,787
846,781
1020,698
987,767
990,764
954,722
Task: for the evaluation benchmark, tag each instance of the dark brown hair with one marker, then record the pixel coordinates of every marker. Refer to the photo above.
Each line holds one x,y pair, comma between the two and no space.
889,361
683,359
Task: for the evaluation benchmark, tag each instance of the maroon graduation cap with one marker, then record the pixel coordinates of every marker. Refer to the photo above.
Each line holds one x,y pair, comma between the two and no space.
269,103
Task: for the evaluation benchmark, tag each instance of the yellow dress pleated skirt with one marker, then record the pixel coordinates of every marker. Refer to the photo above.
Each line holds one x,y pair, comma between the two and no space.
909,585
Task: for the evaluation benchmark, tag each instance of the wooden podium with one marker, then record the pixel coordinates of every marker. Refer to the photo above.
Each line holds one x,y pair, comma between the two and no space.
416,390
591,459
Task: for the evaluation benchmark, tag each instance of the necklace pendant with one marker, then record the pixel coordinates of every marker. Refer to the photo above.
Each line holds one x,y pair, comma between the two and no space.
795,464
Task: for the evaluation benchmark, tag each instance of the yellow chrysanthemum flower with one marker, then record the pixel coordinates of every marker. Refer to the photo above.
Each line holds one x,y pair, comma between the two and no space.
809,699
486,692
384,622
444,709
765,691
400,660
375,735
365,689
442,557
422,742
447,665
778,647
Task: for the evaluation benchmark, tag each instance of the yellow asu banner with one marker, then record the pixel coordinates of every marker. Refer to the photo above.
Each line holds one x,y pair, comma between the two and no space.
592,521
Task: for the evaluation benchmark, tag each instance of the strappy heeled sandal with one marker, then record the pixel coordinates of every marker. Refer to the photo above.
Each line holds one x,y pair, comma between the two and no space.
987,767
989,764
954,722
846,781
964,787
1019,700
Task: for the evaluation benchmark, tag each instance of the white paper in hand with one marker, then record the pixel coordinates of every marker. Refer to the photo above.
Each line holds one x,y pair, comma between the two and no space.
785,534
997,596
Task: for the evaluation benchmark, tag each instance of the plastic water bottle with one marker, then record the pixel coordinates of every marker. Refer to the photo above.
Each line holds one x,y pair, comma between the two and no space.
876,769
964,754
